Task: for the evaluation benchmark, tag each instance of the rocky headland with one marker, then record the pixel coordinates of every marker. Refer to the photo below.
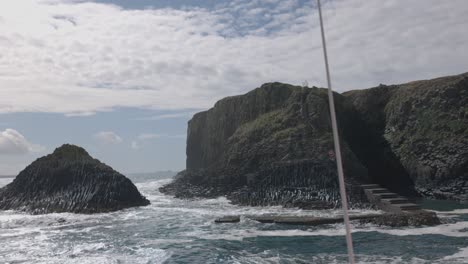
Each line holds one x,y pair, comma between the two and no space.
273,145
269,146
70,180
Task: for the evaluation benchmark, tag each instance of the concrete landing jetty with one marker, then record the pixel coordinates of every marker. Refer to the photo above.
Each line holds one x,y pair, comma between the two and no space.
295,220
308,220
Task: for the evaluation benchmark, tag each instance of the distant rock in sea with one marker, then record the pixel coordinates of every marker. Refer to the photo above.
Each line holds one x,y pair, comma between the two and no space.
70,180
273,145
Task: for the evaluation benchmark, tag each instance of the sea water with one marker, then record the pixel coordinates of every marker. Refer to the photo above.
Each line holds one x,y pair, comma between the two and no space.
182,231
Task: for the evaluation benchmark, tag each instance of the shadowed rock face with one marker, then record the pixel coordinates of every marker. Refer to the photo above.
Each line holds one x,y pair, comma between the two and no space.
418,131
270,146
70,180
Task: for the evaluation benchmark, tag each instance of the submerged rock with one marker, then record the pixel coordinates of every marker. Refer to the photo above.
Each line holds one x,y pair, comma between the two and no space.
70,180
419,218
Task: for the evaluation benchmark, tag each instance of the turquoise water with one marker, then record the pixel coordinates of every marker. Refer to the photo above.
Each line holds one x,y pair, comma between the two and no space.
442,205
178,231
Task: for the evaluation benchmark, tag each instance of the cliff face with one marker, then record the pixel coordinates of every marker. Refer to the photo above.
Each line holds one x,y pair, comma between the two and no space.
424,124
271,145
69,180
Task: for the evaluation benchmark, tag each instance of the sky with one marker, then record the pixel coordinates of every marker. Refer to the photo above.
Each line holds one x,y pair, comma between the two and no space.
121,78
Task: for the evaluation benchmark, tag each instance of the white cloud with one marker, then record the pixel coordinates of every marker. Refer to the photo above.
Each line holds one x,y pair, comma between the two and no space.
167,116
149,136
13,142
135,145
138,142
108,137
146,136
79,114
78,58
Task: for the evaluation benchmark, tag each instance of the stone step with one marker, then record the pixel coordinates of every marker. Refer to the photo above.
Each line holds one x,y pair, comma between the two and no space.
408,206
387,195
378,190
370,186
395,200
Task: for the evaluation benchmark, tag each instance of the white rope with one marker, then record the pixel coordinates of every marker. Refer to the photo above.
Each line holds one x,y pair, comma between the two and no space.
339,165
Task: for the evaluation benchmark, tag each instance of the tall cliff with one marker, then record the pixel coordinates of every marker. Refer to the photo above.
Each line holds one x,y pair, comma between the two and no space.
424,125
269,146
272,145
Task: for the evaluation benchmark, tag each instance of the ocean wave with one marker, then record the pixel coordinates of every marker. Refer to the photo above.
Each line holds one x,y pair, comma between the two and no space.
238,233
32,250
140,256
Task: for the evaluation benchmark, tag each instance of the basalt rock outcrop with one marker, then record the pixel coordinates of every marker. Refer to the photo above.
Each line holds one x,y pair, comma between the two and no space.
69,180
418,131
272,146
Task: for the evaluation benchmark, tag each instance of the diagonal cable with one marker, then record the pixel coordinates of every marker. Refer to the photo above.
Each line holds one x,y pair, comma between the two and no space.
339,164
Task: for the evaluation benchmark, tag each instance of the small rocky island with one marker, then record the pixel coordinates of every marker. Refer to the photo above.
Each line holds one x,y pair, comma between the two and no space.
70,180
273,145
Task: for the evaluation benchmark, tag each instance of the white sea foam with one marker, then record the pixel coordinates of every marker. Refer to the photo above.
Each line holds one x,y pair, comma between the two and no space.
453,212
457,229
141,256
461,255
237,234
88,248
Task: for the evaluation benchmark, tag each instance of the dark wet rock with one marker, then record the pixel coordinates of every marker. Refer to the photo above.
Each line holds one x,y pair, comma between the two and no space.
228,219
70,180
420,218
